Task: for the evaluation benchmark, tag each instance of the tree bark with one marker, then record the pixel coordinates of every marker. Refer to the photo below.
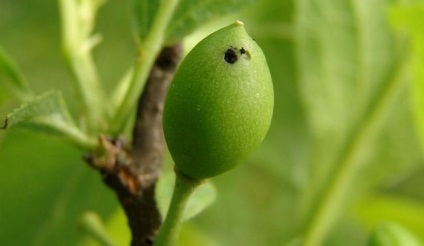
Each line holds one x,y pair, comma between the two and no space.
132,173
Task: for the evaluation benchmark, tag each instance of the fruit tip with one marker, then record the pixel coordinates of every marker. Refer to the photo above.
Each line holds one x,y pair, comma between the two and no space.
239,23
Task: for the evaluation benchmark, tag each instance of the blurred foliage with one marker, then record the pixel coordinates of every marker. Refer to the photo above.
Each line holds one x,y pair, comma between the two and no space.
12,79
392,234
343,102
45,187
407,19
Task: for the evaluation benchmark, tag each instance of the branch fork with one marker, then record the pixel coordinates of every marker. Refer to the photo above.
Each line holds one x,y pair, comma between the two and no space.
132,172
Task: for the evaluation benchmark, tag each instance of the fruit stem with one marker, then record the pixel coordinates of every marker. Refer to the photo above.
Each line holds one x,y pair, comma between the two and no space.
184,187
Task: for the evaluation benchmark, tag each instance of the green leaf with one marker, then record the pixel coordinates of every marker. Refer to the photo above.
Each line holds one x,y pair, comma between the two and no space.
91,223
187,18
372,211
189,15
116,227
11,78
45,187
144,14
392,234
48,105
192,236
351,79
48,113
407,19
121,89
202,197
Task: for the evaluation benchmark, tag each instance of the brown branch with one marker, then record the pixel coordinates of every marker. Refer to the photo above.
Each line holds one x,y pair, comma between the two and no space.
132,173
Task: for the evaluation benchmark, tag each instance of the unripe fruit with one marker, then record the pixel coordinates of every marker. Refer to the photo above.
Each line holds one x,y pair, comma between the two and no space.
219,105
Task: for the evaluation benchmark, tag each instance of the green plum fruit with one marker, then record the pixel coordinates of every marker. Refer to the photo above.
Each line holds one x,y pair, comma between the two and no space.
219,105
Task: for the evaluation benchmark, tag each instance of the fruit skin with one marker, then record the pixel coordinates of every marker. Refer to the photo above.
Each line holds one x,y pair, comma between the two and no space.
219,107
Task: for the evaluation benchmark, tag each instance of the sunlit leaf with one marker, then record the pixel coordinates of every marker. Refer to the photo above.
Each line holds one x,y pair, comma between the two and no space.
373,211
391,233
407,19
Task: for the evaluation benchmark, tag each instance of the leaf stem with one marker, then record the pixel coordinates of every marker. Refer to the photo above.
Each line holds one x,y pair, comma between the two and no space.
334,194
168,234
80,60
72,134
148,50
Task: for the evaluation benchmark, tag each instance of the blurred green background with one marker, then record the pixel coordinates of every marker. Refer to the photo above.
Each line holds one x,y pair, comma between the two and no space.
342,99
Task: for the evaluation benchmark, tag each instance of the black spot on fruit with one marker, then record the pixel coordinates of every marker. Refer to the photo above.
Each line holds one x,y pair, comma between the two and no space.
230,56
244,53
